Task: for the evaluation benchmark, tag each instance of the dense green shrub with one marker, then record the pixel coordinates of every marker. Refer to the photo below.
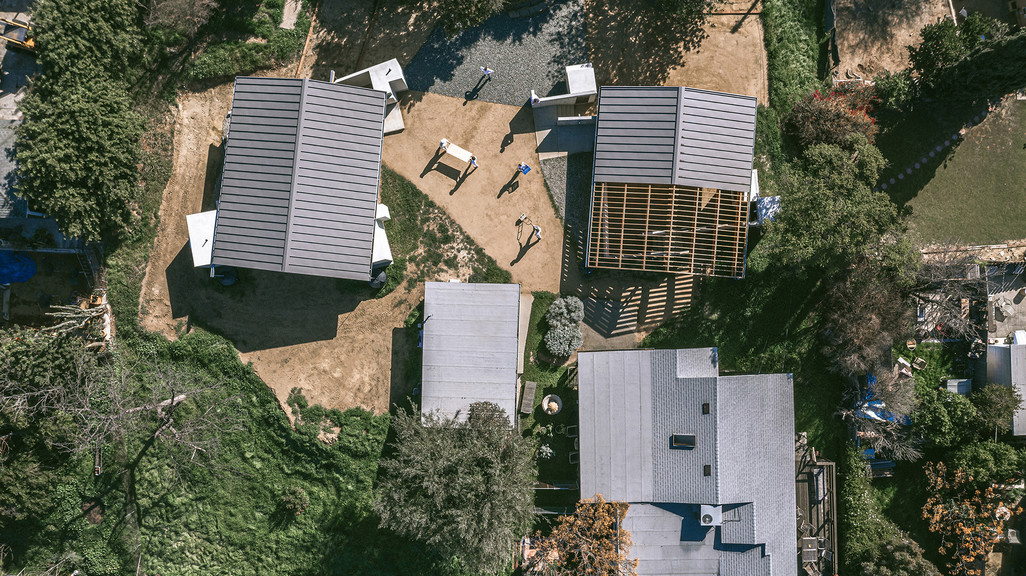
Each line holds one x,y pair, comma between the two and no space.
792,49
990,462
896,90
943,44
946,419
831,117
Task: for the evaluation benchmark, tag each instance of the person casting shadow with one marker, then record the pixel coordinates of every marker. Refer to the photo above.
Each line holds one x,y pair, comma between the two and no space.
463,178
531,241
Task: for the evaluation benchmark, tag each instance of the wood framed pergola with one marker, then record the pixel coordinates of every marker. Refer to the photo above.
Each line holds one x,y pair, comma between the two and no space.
668,228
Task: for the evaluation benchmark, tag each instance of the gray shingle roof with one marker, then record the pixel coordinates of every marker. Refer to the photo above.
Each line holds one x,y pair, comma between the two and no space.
300,183
630,404
675,135
470,346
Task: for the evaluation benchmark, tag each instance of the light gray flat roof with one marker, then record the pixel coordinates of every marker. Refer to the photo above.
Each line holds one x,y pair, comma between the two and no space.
1006,365
470,347
632,401
675,135
300,183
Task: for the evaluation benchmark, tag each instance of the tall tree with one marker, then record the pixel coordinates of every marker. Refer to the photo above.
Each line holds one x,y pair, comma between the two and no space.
996,405
967,519
589,541
77,152
830,213
463,488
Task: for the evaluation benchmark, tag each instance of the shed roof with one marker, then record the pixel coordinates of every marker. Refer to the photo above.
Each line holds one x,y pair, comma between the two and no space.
675,135
1006,365
470,347
632,401
300,182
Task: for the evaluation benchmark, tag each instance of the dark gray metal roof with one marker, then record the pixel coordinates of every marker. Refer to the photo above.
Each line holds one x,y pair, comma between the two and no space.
300,183
675,135
630,404
470,347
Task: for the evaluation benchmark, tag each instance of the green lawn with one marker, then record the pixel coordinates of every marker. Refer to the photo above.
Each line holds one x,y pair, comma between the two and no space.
976,195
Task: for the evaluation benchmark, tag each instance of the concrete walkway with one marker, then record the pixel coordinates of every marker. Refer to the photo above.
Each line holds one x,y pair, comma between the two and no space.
487,201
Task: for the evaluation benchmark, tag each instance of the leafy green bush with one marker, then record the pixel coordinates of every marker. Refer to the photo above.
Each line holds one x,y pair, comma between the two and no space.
896,90
830,118
792,50
990,462
946,419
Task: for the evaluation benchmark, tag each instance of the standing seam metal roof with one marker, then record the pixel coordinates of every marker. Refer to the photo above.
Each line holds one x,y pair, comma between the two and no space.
675,135
470,347
299,188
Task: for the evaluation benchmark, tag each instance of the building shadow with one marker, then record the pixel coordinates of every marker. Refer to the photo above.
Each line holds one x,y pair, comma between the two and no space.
406,365
212,183
262,310
521,123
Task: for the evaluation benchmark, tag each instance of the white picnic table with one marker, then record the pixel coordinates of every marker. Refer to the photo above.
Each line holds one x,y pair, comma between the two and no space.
456,151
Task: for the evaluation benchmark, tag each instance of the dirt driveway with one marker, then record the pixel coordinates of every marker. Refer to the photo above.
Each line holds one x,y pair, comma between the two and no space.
328,337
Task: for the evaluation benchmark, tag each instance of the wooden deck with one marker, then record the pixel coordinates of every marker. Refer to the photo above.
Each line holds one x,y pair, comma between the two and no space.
816,489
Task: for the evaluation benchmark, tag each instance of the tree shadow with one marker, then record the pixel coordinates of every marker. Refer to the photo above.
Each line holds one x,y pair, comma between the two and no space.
636,43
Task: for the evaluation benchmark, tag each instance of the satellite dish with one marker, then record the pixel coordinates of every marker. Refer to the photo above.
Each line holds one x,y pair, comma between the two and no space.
706,518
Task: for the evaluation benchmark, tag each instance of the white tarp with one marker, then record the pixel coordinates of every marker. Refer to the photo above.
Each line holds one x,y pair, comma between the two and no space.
201,236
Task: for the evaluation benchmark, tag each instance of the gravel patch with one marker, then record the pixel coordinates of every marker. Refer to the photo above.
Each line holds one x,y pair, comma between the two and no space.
569,182
525,53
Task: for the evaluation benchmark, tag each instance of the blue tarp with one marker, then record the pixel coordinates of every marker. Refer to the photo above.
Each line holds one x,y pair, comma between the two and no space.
875,409
16,267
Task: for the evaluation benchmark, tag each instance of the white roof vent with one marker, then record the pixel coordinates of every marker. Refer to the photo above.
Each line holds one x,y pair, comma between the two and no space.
711,515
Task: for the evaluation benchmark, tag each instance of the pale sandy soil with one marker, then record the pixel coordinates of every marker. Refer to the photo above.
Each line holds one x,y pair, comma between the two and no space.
874,35
481,203
630,45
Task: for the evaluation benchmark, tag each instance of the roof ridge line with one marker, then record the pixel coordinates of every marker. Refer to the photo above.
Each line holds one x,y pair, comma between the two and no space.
678,131
295,174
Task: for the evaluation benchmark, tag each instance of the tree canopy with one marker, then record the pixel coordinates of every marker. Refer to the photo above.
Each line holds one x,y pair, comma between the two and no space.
78,154
589,541
464,489
989,462
78,148
996,404
830,213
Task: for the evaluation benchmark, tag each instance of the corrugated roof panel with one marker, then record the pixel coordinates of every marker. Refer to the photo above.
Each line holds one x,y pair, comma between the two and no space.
300,182
470,346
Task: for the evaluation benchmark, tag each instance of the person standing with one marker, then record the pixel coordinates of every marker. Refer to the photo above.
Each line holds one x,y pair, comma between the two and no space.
487,73
537,232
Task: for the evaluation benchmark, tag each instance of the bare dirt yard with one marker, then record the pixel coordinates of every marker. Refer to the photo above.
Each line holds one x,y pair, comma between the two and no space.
874,35
487,201
329,338
630,43
350,35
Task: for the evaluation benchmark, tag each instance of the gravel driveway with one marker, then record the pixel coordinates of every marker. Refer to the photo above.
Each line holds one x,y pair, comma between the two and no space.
525,53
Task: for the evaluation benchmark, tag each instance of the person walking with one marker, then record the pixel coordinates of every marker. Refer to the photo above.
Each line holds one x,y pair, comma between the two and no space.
473,161
487,73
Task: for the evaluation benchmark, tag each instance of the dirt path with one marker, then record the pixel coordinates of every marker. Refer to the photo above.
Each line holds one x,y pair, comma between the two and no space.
198,125
500,136
330,338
